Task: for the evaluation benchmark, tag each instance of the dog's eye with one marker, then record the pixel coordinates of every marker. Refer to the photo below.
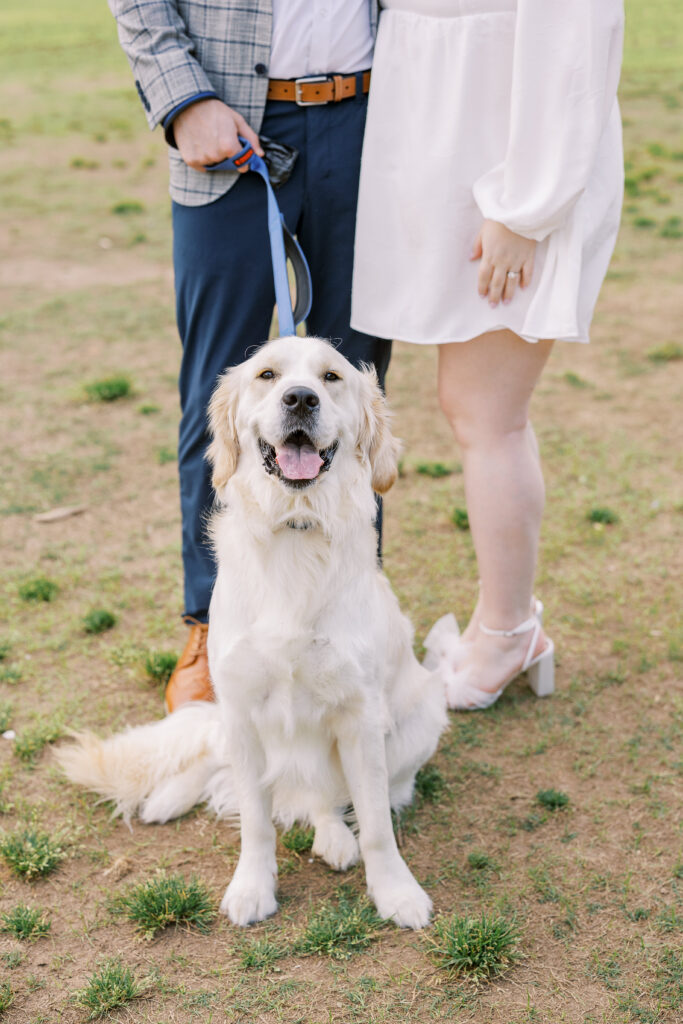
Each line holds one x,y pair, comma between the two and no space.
266,375
331,375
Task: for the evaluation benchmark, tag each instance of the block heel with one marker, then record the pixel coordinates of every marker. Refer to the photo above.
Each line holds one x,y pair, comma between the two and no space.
541,672
462,692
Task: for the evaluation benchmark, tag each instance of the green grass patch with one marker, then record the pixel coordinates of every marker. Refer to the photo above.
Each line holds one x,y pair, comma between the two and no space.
38,588
298,839
111,985
99,620
675,650
548,892
429,783
109,389
165,455
545,888
13,958
668,987
127,206
607,970
342,929
31,853
83,163
648,173
644,223
5,648
25,923
552,799
669,352
574,380
475,947
159,665
6,708
435,469
479,860
11,675
167,900
672,228
637,1013
637,914
32,741
260,955
5,805
602,515
149,410
6,996
670,920
460,518
531,822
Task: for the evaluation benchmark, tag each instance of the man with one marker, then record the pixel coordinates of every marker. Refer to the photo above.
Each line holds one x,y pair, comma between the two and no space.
208,71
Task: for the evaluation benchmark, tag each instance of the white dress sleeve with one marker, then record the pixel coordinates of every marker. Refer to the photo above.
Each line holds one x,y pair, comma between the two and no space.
566,63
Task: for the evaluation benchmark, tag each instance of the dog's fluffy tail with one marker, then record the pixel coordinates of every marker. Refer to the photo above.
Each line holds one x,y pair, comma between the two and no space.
159,770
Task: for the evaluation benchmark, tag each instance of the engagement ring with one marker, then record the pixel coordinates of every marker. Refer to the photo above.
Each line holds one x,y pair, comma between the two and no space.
513,274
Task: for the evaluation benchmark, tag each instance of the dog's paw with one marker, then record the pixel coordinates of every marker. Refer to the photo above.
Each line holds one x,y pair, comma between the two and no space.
405,903
336,844
246,902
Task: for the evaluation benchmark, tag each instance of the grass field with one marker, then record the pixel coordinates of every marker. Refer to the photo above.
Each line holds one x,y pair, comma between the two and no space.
590,889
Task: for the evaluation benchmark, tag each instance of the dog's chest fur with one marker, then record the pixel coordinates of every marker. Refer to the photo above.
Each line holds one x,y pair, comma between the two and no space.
299,650
301,638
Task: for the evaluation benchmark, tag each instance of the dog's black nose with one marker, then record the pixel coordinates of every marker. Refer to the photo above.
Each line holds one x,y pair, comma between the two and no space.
300,400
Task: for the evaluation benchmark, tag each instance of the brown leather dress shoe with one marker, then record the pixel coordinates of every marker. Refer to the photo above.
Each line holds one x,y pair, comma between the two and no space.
190,679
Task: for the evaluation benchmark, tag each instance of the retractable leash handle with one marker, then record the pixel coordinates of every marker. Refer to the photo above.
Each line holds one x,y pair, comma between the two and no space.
282,244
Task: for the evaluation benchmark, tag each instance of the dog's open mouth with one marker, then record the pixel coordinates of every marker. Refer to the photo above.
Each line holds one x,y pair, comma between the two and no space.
297,461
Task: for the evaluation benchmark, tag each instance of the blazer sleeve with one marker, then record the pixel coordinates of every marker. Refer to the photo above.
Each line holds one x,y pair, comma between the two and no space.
566,63
161,55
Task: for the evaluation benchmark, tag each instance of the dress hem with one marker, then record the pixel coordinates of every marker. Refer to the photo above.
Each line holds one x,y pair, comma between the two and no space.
531,339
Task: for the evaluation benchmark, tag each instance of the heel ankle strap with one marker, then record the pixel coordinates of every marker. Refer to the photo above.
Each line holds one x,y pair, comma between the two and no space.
527,626
517,631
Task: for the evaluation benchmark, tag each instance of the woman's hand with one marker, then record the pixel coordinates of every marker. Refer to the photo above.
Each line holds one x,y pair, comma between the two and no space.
500,252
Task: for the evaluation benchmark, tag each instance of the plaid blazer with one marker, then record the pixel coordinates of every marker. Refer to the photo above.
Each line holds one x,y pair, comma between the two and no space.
179,48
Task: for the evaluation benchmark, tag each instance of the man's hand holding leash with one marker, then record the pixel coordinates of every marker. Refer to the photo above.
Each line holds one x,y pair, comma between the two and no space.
207,132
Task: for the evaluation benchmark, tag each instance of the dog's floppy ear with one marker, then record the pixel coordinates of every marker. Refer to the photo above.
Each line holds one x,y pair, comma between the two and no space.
375,440
224,450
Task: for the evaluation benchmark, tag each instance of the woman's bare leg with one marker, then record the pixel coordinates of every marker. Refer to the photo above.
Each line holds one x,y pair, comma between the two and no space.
485,386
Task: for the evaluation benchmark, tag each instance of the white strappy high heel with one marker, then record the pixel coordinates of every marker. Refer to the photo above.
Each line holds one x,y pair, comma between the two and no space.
462,691
444,644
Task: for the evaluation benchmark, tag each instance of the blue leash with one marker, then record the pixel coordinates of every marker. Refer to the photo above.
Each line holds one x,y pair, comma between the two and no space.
282,244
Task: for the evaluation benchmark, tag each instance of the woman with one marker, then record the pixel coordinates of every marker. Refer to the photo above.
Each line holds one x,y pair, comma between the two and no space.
490,198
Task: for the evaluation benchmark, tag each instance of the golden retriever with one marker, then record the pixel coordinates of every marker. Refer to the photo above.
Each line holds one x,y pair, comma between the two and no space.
321,704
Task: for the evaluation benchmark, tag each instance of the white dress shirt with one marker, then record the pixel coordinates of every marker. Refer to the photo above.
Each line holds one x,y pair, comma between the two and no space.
317,37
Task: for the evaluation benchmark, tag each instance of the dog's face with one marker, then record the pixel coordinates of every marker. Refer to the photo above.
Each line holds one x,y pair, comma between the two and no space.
297,403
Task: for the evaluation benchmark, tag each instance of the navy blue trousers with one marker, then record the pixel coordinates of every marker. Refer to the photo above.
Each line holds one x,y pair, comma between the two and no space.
225,294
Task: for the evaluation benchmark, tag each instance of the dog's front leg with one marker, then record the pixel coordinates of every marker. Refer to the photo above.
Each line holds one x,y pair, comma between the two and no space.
391,885
251,894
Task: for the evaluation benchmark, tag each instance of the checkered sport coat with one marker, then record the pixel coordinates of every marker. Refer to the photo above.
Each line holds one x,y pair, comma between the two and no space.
180,48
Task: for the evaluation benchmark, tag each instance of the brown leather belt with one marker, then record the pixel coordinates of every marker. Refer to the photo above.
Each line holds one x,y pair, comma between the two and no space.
316,89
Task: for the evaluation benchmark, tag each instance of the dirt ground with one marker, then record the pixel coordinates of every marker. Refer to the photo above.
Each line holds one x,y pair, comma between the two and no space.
596,889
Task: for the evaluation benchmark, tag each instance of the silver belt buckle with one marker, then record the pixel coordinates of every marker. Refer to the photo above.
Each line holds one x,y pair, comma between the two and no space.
298,82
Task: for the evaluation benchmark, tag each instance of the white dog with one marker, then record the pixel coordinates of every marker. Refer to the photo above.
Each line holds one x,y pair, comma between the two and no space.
321,703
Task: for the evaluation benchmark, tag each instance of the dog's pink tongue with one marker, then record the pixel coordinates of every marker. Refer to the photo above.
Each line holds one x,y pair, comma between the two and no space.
298,463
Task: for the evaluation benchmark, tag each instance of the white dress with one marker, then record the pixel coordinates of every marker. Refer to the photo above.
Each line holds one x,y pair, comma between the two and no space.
488,109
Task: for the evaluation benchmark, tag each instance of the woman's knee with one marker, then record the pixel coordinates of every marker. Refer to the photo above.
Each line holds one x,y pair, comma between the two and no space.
458,412
475,425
